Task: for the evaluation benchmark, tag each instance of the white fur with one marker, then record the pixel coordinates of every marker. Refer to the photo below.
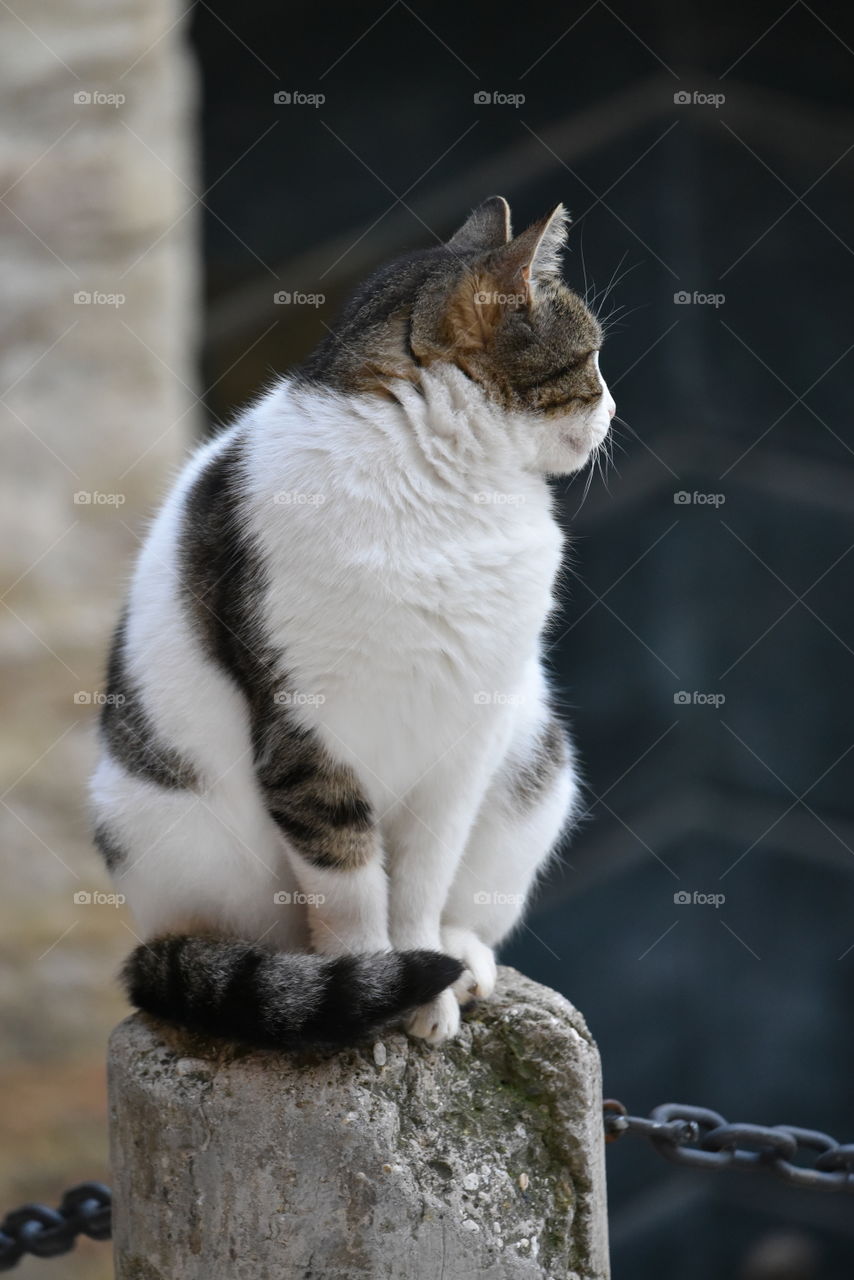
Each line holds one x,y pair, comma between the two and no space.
412,555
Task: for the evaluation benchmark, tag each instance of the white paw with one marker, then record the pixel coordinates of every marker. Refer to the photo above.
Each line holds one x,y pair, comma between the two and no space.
437,1021
477,980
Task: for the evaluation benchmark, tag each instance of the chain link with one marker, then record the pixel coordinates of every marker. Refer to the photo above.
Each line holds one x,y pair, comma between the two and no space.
693,1136
45,1233
703,1139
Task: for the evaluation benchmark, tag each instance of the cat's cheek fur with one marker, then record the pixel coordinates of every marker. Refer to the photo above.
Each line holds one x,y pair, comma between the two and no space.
566,443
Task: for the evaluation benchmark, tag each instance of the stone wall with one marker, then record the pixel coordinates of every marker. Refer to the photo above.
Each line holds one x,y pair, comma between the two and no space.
98,255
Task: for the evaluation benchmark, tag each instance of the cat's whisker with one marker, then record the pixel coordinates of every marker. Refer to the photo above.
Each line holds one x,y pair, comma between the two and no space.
614,436
602,452
620,278
590,471
609,323
616,279
610,284
612,445
613,314
583,263
615,311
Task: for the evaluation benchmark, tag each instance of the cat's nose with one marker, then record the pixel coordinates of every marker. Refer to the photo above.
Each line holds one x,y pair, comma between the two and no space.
612,407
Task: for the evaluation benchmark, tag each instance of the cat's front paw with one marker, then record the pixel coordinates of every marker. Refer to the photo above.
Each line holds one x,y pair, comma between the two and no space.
477,980
437,1021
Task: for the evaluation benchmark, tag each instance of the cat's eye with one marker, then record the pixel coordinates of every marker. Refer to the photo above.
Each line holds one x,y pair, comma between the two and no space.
578,362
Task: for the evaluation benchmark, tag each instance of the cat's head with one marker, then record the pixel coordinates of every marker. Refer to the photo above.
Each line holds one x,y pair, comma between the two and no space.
495,306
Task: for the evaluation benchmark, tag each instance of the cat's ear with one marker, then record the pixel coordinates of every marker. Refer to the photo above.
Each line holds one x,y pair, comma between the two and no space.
535,253
506,281
488,227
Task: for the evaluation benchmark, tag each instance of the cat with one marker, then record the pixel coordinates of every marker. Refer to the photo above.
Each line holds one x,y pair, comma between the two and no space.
330,767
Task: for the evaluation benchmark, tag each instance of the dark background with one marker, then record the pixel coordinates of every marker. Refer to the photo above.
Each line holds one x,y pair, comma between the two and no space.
745,1007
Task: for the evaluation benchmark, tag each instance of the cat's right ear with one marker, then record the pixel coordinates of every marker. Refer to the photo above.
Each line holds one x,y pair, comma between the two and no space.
488,227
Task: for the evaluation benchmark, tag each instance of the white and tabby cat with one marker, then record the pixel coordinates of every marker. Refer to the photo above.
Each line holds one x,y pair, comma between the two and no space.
330,769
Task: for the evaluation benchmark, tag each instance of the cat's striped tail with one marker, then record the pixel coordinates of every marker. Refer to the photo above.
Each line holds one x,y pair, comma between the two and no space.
280,1000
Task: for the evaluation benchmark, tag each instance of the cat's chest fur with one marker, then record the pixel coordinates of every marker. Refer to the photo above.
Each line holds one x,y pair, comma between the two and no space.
473,595
396,619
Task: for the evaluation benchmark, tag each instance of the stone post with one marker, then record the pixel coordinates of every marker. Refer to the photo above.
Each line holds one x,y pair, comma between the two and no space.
390,1161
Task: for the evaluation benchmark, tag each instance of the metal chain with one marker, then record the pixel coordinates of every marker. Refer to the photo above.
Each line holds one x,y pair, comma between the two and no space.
43,1232
703,1139
692,1136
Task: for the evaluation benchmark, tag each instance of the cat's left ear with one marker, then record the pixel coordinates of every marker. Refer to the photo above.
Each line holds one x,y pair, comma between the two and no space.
488,227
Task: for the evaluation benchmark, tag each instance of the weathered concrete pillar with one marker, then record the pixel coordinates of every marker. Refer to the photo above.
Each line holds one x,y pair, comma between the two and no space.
395,1162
